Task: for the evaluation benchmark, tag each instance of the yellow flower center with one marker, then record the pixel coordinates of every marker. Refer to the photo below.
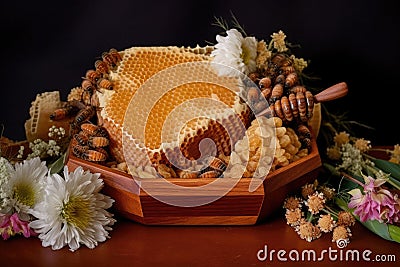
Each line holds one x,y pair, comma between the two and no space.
24,194
76,212
245,55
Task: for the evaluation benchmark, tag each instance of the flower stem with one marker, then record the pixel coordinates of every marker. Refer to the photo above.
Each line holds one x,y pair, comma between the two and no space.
368,156
388,151
393,184
309,219
329,210
389,178
351,178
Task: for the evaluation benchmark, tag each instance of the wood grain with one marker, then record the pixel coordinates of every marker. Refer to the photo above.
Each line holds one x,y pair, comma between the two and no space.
334,92
237,207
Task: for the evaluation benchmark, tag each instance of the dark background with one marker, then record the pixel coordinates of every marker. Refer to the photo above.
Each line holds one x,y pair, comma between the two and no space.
48,46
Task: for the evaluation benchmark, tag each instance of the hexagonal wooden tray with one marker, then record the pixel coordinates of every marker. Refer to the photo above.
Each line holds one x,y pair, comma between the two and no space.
238,207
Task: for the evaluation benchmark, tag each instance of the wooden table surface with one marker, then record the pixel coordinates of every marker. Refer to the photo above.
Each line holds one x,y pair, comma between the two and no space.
133,244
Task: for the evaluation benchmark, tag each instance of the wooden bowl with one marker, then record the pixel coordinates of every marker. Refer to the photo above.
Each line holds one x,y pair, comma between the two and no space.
237,207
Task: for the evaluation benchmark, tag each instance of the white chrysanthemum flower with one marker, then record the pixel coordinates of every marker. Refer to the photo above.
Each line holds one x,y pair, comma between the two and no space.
73,211
24,189
234,53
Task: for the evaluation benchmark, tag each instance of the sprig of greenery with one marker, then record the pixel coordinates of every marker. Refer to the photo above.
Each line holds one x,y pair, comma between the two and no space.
237,25
221,23
333,123
225,26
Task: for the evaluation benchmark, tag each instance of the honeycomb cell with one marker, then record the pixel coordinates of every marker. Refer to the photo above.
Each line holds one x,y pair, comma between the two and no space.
173,111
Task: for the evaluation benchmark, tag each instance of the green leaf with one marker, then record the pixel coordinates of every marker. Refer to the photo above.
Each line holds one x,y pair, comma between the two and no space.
341,203
388,167
394,232
331,169
57,165
344,184
378,228
347,185
394,181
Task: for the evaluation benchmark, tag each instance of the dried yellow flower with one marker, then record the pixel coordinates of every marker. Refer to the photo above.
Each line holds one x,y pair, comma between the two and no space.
341,138
263,54
279,41
341,233
326,223
345,218
395,157
292,203
299,63
333,153
328,192
308,231
362,144
307,190
315,202
396,150
293,217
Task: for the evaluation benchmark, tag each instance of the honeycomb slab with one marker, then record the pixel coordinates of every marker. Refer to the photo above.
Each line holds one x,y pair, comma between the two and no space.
166,101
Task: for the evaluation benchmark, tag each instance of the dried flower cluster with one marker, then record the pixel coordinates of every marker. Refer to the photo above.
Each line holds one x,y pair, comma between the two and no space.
310,214
236,54
371,186
349,152
371,200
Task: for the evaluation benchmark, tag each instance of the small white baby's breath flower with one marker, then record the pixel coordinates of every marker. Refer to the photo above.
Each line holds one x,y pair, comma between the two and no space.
5,172
352,159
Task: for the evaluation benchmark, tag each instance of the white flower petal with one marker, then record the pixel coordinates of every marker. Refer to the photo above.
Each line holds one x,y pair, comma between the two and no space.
234,54
73,211
24,187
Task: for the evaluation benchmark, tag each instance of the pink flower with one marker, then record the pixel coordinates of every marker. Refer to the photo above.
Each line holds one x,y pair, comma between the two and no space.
5,227
391,210
375,203
365,207
12,225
